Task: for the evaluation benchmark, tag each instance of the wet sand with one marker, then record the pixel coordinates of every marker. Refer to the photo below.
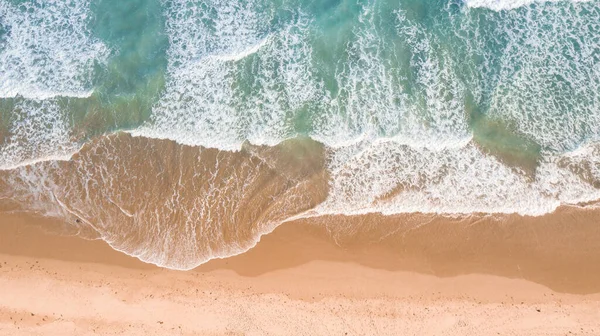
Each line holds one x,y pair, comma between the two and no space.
523,276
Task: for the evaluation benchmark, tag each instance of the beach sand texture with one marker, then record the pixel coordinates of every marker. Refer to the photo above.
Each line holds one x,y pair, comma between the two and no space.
524,276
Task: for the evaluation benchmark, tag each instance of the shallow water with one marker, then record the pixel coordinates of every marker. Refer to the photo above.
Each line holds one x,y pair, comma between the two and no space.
183,130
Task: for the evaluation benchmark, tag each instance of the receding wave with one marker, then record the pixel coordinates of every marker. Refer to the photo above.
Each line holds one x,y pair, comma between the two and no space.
172,205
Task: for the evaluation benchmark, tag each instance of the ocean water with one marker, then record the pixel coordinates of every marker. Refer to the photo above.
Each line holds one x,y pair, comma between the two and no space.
182,130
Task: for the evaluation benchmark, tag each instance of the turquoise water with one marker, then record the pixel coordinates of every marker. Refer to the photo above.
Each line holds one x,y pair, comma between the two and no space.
332,70
435,106
376,66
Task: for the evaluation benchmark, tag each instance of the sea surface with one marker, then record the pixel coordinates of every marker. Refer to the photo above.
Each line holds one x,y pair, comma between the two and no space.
179,131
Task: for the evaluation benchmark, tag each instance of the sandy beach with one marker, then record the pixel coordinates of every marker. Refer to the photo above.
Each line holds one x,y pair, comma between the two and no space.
300,280
299,167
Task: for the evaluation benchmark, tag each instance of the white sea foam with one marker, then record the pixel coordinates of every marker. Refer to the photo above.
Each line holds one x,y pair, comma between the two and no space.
393,178
206,100
205,105
242,54
499,5
372,101
547,81
47,50
416,172
38,131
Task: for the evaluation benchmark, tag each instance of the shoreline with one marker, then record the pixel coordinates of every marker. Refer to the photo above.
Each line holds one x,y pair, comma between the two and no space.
68,285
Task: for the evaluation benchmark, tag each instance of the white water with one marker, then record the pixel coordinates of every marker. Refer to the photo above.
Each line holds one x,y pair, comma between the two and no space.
499,5
382,140
201,105
48,50
39,131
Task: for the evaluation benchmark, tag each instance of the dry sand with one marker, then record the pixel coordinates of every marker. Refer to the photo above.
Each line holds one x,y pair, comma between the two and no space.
518,276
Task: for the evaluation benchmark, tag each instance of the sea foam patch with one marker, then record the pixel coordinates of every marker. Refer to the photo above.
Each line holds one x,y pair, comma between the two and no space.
210,98
391,178
543,75
499,5
527,87
38,131
46,49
